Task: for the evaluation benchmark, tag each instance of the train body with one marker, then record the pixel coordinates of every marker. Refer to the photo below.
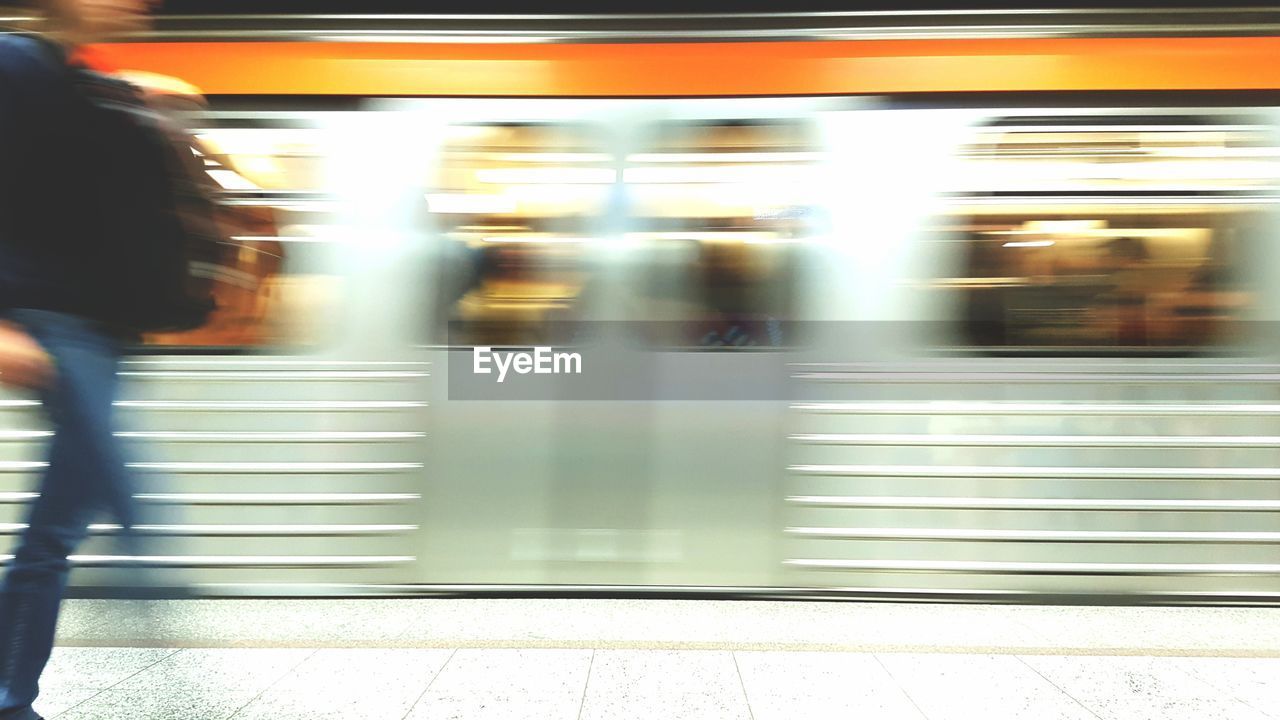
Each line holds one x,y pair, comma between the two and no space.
886,316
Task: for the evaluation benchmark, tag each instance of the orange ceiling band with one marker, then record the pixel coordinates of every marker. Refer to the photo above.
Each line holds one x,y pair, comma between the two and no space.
709,69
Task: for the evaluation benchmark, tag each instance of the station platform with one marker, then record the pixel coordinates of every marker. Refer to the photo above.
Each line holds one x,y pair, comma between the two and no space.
598,659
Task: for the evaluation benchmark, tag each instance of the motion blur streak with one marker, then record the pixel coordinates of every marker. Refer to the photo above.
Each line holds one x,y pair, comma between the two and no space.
1029,336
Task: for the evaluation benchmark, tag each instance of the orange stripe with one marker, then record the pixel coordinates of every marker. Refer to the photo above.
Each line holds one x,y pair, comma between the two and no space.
766,68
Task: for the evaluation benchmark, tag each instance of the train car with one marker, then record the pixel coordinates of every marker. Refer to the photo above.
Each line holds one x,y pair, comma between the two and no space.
892,305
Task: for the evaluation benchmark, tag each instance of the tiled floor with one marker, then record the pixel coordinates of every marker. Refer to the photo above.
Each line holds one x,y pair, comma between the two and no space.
484,684
546,659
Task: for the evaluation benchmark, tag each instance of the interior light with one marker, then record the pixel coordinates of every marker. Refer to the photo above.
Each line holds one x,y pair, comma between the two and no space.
231,181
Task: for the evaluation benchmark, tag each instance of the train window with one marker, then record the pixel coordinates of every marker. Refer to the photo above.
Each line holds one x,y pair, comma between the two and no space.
1100,237
722,209
516,206
1103,277
270,284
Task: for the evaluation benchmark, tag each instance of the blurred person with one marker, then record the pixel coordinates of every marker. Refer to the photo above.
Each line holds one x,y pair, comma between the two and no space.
1128,261
54,338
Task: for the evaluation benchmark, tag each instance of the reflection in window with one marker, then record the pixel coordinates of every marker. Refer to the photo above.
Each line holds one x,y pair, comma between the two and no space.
515,204
722,208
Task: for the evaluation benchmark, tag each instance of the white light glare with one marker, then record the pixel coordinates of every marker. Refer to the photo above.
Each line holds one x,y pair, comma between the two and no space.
1030,243
469,204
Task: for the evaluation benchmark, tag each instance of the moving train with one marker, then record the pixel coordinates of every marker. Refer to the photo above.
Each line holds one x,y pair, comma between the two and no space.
889,305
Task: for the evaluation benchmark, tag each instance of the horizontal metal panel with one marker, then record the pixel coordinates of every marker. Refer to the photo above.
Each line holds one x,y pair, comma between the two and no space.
1036,568
285,468
264,436
271,375
21,435
21,466
277,498
1024,503
234,561
218,468
1084,441
275,361
1075,365
1032,473
236,436
236,530
1052,408
270,405
1062,536
254,498
1086,378
8,498
11,404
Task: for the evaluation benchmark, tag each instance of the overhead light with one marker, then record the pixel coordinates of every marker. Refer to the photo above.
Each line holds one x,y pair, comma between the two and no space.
1030,243
547,176
728,174
1063,226
550,157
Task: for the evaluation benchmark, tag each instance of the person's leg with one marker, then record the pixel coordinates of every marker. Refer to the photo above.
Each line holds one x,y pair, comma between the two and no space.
86,473
36,580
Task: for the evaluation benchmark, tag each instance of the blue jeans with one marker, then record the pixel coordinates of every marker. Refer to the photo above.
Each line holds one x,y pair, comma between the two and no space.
86,476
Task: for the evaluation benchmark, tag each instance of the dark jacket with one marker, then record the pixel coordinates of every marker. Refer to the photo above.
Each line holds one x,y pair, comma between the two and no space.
47,210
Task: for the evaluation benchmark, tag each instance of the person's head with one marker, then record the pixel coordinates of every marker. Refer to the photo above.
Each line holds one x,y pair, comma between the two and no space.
1125,251
84,21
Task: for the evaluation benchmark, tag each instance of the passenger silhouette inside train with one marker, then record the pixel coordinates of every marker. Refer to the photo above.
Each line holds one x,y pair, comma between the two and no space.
1128,265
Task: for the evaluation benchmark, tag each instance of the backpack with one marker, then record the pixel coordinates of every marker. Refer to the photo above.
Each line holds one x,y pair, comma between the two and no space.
154,224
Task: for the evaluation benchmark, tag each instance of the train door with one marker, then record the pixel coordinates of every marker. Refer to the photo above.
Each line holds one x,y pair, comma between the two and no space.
670,232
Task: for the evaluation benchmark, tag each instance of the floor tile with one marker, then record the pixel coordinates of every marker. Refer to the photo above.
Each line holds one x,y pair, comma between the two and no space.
159,703
818,685
1253,681
350,684
992,687
1139,688
507,684
56,700
214,669
671,684
98,667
